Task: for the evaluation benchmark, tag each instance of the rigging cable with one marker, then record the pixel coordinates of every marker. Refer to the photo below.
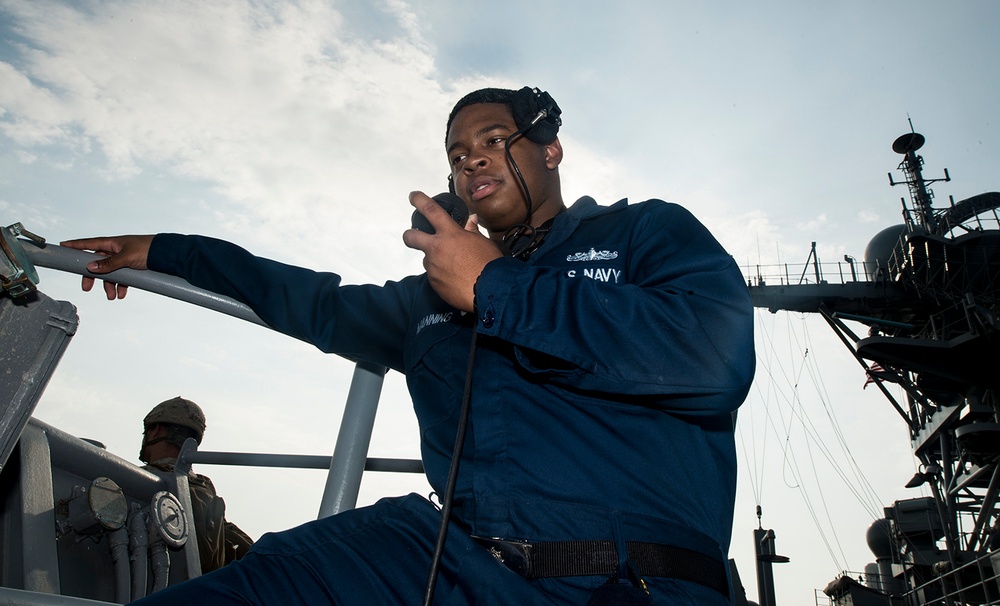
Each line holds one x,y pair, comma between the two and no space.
815,472
755,467
872,507
789,462
792,463
874,504
775,371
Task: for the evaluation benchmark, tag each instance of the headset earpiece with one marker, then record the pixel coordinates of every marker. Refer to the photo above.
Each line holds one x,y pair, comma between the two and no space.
536,112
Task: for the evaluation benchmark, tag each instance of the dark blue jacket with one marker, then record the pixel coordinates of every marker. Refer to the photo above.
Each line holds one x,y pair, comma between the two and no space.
607,370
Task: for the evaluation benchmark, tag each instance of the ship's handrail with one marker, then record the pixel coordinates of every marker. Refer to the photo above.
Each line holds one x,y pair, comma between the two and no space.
978,213
871,580
953,589
787,274
74,261
855,270
350,456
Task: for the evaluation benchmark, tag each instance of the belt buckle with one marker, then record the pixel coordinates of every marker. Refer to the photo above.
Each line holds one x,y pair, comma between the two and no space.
515,555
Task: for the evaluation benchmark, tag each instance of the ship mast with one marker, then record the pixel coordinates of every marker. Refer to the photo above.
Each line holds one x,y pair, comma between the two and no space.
920,195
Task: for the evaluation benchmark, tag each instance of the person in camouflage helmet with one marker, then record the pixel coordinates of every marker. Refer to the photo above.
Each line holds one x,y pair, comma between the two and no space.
165,429
179,420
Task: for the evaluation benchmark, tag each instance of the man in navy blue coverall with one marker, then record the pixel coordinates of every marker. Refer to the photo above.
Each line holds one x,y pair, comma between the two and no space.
614,345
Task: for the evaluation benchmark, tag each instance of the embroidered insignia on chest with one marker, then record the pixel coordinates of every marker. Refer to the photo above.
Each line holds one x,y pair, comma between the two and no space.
593,255
432,319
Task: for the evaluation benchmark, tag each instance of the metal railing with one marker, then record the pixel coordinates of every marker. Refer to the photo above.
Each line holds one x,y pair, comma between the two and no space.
976,582
785,274
350,456
345,466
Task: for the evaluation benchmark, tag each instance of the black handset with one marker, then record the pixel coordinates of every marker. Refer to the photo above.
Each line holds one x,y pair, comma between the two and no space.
454,206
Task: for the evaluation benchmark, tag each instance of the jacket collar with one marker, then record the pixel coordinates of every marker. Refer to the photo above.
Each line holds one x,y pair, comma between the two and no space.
587,207
567,222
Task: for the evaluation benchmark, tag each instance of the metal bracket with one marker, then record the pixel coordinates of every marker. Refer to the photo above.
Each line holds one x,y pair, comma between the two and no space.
17,273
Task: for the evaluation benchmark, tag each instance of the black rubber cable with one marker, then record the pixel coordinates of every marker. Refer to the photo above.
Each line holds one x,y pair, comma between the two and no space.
449,491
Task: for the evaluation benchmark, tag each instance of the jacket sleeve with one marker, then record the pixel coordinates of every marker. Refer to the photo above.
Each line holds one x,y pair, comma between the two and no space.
677,334
358,322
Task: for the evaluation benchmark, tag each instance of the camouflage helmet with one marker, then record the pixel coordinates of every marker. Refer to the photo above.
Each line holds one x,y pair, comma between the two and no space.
178,411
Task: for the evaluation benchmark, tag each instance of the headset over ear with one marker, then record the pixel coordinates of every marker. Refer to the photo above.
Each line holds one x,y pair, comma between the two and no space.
537,114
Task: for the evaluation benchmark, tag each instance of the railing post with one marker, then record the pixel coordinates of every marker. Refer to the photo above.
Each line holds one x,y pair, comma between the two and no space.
348,463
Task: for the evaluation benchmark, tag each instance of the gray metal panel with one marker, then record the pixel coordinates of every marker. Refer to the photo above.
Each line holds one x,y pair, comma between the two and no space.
16,597
38,520
42,554
181,488
33,336
83,459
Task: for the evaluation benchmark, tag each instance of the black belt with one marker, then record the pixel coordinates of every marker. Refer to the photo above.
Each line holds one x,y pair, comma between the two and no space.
586,558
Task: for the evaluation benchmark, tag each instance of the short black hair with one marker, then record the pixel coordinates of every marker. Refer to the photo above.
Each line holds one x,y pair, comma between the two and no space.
502,96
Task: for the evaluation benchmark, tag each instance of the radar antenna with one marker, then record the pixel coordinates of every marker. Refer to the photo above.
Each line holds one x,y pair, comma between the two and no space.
920,195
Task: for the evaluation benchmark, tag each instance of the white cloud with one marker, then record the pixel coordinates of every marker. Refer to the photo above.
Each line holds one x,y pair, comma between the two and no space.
285,112
295,123
32,114
868,216
821,221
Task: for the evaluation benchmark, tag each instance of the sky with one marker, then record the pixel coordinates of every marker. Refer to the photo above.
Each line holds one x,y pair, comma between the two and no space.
296,129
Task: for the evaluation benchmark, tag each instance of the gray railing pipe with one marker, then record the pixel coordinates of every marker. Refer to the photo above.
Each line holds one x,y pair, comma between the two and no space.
344,480
75,261
350,454
295,461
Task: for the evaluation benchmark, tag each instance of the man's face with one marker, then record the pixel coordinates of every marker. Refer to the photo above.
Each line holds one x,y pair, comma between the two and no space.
483,176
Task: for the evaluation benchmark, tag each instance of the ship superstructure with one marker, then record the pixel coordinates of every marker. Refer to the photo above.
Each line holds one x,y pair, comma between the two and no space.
927,296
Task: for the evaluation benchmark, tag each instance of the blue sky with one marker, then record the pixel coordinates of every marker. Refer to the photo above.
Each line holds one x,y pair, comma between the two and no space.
297,128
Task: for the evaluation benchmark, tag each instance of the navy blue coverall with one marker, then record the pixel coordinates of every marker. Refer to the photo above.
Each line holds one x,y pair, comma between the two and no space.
608,368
